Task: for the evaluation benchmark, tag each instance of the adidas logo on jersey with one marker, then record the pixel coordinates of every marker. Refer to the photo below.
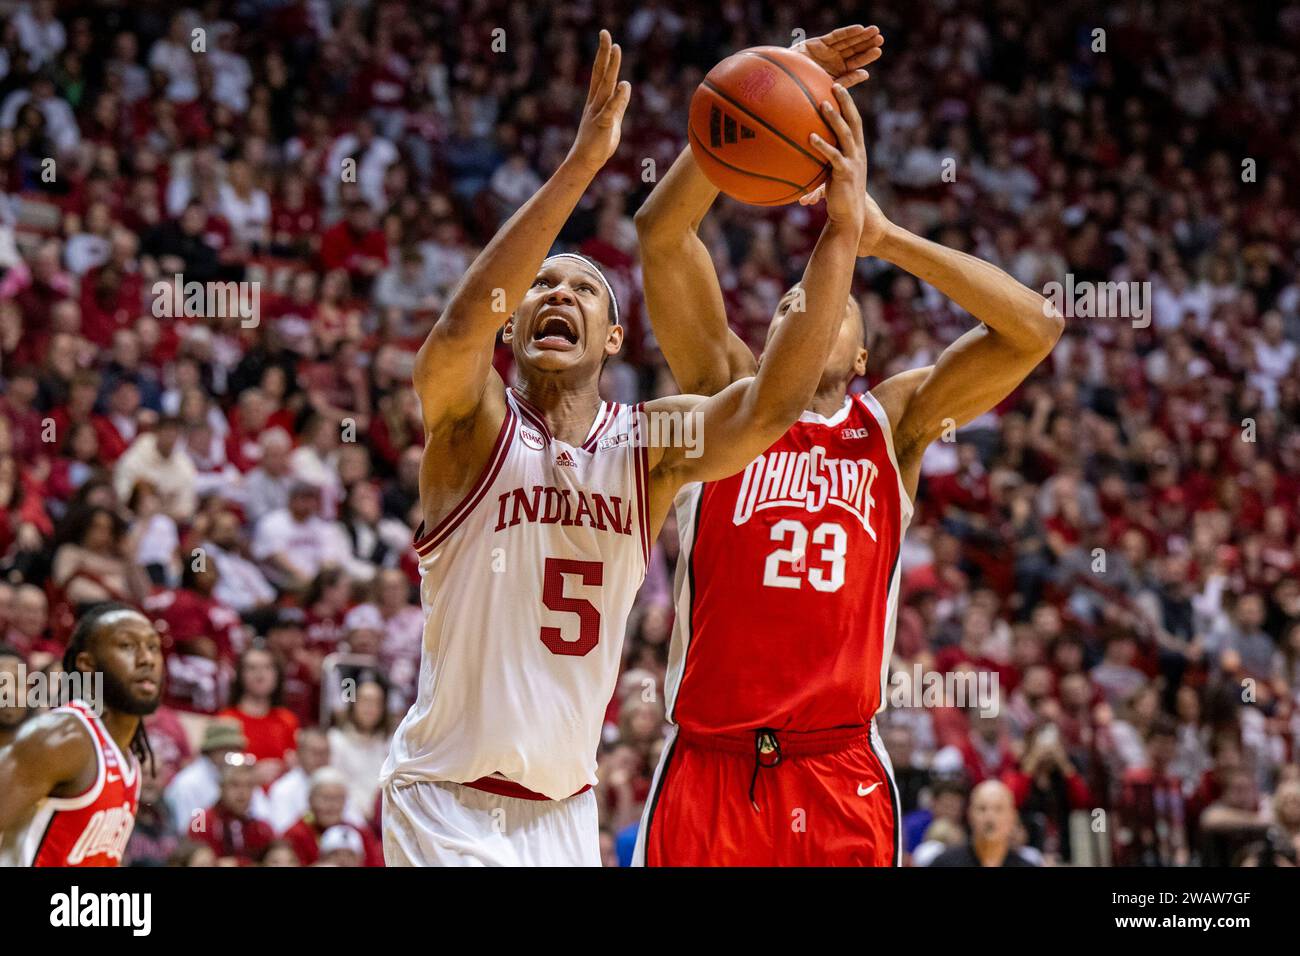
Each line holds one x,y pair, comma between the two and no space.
565,460
725,128
808,480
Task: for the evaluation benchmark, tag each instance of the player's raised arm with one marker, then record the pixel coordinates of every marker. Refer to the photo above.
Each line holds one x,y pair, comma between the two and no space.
683,297
743,419
1017,331
50,749
452,367
682,294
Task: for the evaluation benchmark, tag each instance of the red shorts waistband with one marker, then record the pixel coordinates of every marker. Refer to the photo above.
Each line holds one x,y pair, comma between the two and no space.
793,743
508,788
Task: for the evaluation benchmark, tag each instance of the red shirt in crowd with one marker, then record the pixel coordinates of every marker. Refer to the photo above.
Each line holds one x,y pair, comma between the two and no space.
304,836
246,838
107,306
341,247
186,617
294,221
269,737
111,442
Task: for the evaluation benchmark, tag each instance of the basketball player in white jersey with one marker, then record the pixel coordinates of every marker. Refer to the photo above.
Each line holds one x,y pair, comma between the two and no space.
540,504
787,584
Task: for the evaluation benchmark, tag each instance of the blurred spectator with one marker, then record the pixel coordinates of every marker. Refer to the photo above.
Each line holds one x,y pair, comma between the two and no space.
241,585
355,244
198,785
295,543
154,838
326,800
268,727
280,853
1046,789
267,485
228,827
94,558
359,744
341,845
159,458
1149,815
288,795
992,827
947,803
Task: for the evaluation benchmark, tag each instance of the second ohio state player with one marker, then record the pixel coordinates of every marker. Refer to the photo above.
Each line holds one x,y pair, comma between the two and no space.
787,583
70,779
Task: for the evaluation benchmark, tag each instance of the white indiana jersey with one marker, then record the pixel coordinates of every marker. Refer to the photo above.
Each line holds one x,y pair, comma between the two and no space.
526,586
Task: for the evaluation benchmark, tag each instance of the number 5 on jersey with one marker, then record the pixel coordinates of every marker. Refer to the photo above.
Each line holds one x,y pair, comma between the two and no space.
553,596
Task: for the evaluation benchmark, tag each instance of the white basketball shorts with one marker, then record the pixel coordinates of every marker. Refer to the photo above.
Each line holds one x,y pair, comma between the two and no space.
448,824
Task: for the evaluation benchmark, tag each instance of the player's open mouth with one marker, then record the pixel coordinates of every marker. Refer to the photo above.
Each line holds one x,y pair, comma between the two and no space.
555,331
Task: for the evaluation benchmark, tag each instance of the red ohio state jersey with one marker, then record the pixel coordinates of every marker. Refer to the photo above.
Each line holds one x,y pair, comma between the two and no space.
787,584
90,829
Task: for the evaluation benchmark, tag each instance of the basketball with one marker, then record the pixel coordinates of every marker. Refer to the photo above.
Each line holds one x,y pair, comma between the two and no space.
750,121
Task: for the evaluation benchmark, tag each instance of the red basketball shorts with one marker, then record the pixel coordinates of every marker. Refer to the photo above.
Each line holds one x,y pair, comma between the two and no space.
772,799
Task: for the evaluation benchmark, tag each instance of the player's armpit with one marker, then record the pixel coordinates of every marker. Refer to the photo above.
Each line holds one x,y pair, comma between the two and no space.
741,362
456,450
982,367
971,377
50,750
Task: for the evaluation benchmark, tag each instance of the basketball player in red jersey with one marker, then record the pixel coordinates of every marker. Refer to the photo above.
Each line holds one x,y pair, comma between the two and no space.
787,584
70,779
540,504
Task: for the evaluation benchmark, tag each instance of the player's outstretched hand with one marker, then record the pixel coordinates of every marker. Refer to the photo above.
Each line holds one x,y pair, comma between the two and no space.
846,193
844,53
602,118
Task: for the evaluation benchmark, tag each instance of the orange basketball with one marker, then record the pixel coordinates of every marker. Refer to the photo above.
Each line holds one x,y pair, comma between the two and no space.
750,121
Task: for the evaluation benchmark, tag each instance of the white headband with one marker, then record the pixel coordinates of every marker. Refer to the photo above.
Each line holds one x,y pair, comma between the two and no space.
600,275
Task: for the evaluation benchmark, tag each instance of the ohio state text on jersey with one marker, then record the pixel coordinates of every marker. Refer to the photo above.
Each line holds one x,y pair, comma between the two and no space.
787,584
90,829
526,586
